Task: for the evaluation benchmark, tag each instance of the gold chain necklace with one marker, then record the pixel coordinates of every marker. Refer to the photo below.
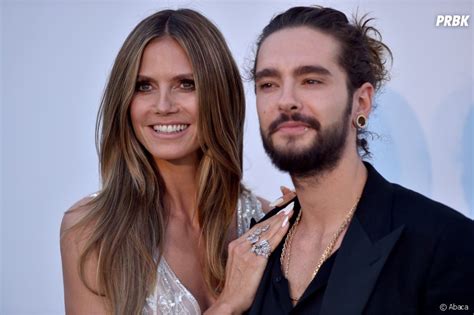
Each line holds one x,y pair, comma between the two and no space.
286,251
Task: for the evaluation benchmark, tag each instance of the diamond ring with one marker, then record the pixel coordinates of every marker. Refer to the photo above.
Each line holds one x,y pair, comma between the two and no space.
254,237
262,249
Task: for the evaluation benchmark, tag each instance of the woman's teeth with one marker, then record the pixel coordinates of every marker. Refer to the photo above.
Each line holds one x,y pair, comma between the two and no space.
169,128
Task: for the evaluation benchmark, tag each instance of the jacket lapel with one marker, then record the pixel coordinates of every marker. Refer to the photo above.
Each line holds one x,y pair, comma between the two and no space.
364,250
356,270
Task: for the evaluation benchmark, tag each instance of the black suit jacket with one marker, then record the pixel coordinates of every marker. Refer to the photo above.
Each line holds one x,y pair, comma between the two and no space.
402,254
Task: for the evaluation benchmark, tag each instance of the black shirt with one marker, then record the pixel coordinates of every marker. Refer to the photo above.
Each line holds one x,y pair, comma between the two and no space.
276,297
402,254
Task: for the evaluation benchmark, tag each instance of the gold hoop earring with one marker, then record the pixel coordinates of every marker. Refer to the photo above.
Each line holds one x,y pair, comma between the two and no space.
361,121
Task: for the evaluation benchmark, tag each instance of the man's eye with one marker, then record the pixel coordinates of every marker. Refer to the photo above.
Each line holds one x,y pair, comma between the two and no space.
143,87
187,85
311,81
264,86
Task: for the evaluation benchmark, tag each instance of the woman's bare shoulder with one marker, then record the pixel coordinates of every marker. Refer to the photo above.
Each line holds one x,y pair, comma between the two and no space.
75,213
79,299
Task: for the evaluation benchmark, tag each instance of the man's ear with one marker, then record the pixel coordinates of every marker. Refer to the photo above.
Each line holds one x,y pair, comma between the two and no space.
362,100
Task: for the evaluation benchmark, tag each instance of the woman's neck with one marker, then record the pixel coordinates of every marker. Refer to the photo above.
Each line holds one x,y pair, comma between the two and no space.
180,187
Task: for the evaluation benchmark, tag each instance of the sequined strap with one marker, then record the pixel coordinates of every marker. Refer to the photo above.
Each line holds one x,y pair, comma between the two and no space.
248,208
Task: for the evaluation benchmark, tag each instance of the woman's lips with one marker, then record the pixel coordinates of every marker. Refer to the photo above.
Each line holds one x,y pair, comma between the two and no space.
169,131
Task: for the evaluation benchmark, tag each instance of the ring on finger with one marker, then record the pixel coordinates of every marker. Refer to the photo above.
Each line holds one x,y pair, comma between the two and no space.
254,237
260,230
262,249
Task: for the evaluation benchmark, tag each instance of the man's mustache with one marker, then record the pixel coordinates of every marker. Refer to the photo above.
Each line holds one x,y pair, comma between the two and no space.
310,121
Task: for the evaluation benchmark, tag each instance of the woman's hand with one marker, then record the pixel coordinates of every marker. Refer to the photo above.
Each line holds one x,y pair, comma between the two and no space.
288,194
247,260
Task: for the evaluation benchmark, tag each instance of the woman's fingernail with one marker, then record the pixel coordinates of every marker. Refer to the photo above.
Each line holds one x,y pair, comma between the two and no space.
276,202
288,208
286,188
285,222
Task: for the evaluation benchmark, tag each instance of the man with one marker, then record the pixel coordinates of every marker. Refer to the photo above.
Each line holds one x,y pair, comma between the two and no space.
357,244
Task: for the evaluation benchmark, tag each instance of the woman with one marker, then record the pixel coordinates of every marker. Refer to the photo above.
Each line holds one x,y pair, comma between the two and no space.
170,128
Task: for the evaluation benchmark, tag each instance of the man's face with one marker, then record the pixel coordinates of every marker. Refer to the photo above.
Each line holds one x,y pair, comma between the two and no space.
302,100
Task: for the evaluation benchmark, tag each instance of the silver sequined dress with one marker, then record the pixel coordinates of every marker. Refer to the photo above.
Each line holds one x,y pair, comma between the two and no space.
171,296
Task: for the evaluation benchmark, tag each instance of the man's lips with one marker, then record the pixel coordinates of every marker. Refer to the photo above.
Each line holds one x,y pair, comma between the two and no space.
292,126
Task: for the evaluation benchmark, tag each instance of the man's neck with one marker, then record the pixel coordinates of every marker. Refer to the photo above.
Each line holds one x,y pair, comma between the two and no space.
327,198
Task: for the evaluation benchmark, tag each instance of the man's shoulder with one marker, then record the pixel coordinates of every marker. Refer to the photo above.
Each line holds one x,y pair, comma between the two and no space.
410,206
414,209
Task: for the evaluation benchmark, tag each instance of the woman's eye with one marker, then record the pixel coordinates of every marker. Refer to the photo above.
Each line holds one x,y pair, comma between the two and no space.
187,85
143,87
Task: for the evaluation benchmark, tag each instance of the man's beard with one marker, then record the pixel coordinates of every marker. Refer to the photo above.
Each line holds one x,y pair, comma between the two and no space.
321,156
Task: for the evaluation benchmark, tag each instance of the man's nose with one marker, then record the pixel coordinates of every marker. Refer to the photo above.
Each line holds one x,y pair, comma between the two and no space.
288,101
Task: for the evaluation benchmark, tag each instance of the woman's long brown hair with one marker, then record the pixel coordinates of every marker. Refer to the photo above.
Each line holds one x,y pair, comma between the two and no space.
127,219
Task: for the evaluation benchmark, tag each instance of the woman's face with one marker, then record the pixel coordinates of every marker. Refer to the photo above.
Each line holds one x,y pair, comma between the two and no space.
164,108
